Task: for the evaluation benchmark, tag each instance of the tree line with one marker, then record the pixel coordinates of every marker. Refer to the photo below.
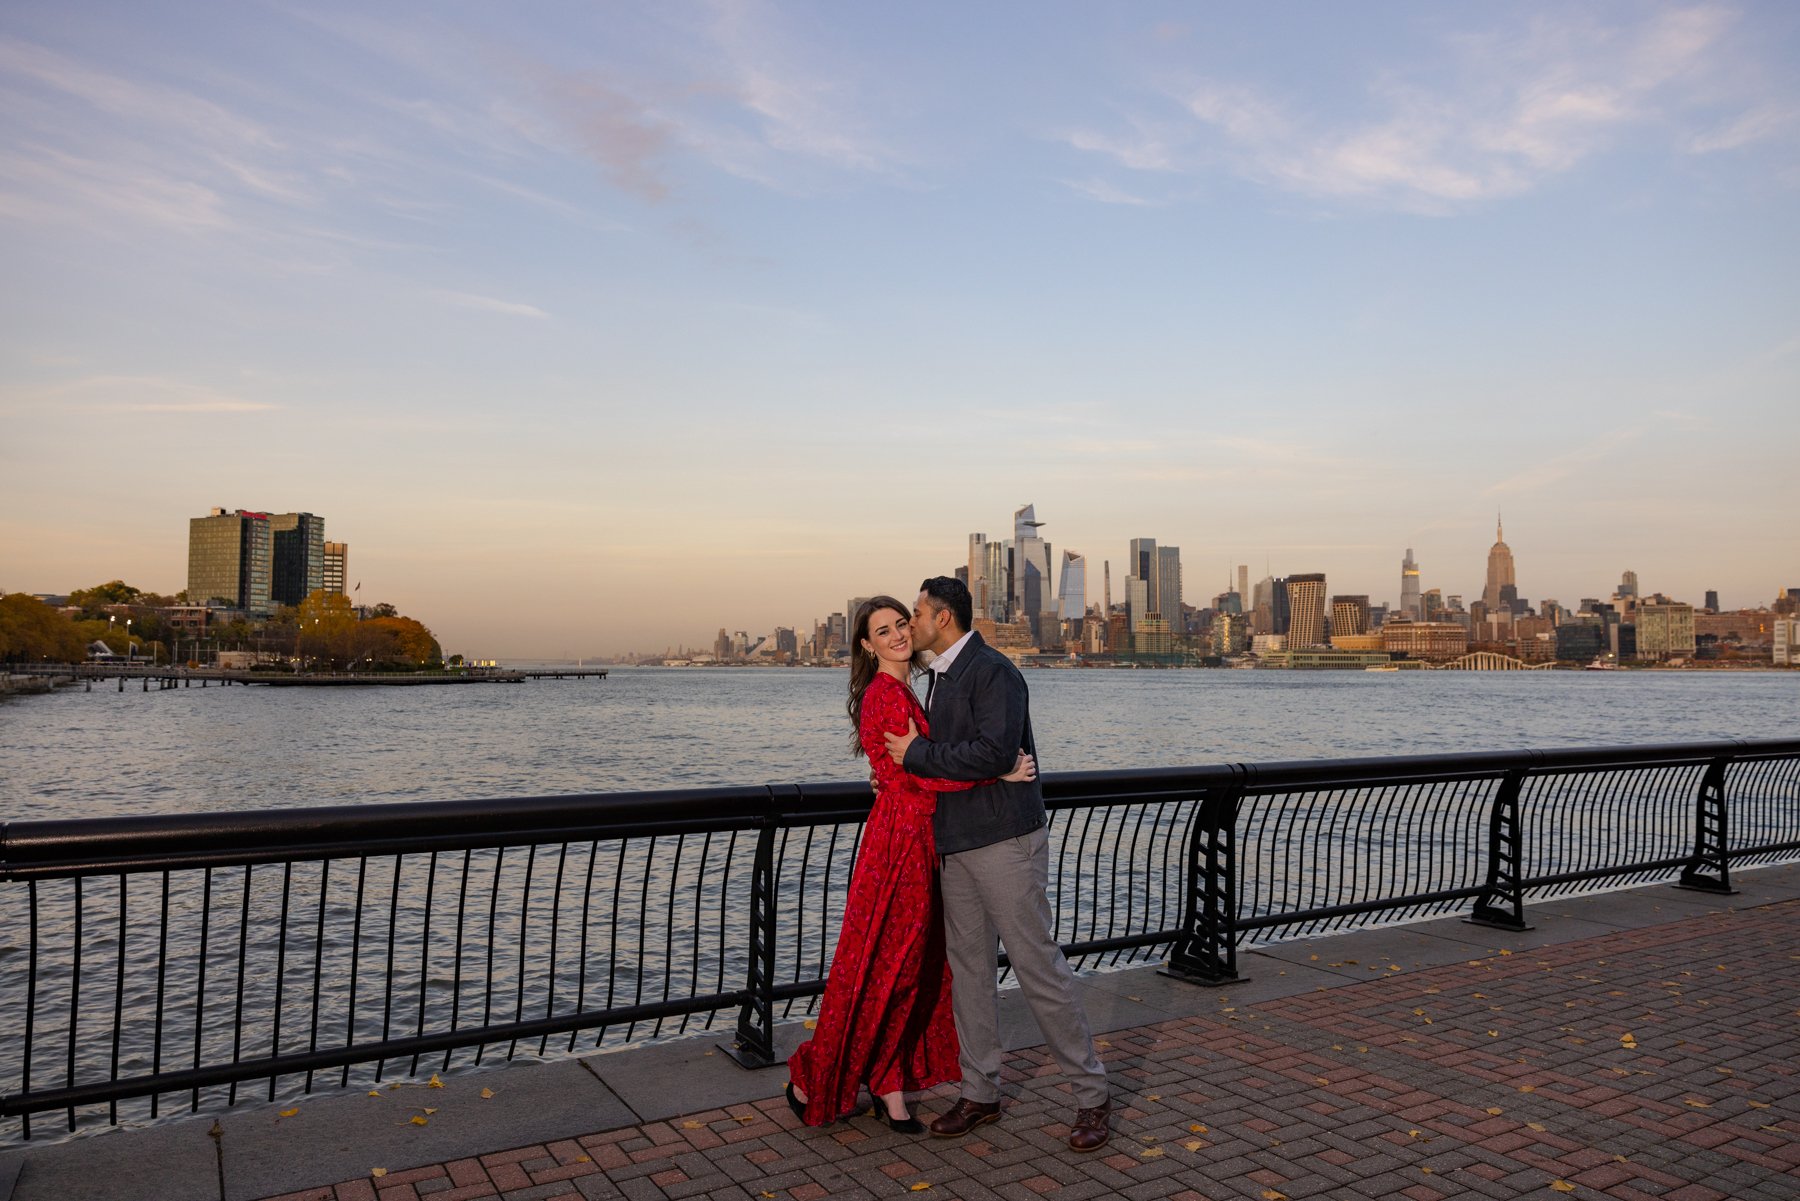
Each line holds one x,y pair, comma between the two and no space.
323,632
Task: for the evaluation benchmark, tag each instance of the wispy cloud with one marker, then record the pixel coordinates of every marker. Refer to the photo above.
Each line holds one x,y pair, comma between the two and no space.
1108,193
488,304
147,394
1519,108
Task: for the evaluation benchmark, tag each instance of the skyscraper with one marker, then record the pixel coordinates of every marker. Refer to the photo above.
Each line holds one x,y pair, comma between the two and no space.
1243,585
1142,564
1168,587
978,577
1409,587
230,557
337,568
1349,615
299,557
1628,585
1499,573
1073,587
1137,602
1306,599
1031,586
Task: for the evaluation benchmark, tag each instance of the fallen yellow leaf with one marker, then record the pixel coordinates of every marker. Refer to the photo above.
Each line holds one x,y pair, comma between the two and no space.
1270,1194
743,1119
1493,1034
1561,1186
1154,1097
1699,1104
1757,1104
376,1093
1538,1126
434,1082
1414,1133
431,1111
920,1187
811,1023
288,1113
1194,1145
1151,1152
690,1125
1504,951
417,1120
378,1172
1528,1088
486,1093
583,1159
1495,1110
1197,1128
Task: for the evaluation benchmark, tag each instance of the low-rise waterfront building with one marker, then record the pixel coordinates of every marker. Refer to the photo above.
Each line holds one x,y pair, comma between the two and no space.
1432,641
1319,658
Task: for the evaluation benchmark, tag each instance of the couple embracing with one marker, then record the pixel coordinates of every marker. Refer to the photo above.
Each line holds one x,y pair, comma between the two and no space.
954,859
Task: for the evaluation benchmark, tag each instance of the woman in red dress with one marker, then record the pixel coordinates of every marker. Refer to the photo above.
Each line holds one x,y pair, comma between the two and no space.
885,1020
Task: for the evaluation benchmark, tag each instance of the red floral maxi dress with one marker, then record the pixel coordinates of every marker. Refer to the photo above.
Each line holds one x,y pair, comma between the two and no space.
885,1019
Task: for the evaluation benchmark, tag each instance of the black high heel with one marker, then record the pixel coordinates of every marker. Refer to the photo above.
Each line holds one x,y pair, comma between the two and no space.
794,1103
897,1125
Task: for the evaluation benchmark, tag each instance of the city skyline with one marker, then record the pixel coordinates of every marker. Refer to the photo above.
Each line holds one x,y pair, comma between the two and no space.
645,322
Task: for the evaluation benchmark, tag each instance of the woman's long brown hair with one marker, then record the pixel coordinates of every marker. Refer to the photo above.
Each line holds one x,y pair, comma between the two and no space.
863,664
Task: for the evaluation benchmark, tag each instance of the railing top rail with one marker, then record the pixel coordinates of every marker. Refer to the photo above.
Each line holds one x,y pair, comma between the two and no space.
113,844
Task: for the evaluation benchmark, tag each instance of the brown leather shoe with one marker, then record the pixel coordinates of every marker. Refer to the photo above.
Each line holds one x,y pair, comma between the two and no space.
1092,1128
964,1116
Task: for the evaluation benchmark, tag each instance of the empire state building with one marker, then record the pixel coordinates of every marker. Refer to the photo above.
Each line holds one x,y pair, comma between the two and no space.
1499,574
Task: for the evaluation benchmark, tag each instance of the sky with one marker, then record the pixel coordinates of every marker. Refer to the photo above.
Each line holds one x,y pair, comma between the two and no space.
595,327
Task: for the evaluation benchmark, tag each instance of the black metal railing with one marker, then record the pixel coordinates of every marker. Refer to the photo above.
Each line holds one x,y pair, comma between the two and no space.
171,960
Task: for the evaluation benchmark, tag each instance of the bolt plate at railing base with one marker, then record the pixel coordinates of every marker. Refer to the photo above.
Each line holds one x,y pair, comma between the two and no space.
1502,922
747,1058
1710,884
1204,979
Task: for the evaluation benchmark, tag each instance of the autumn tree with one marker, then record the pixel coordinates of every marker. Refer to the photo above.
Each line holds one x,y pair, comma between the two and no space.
31,631
114,592
409,643
327,629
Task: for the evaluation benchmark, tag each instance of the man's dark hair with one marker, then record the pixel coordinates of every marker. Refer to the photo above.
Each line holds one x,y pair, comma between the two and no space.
950,593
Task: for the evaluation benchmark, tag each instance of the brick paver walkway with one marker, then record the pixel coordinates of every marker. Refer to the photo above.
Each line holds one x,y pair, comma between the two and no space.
1660,1062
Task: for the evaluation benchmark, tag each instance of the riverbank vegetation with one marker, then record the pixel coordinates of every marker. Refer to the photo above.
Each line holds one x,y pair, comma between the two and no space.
324,632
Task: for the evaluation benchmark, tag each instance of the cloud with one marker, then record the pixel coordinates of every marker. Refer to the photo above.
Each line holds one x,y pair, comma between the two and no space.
1756,125
1518,108
1108,193
149,394
487,304
615,131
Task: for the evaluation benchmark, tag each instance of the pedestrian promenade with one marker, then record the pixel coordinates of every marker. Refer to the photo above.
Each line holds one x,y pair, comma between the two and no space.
1633,1045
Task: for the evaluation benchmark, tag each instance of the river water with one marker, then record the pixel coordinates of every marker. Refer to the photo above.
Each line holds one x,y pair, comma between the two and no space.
91,754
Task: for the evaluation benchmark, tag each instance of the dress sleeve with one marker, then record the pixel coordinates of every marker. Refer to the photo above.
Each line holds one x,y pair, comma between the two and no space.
885,711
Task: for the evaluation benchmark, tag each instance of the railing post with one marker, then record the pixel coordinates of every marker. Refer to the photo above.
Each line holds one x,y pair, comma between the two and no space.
1502,901
754,1046
1206,952
1710,829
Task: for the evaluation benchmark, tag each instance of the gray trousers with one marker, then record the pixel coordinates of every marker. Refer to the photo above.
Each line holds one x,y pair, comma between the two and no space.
998,891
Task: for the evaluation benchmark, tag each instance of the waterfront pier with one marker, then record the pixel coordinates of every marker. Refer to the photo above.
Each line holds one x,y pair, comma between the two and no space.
1360,978
1438,1060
